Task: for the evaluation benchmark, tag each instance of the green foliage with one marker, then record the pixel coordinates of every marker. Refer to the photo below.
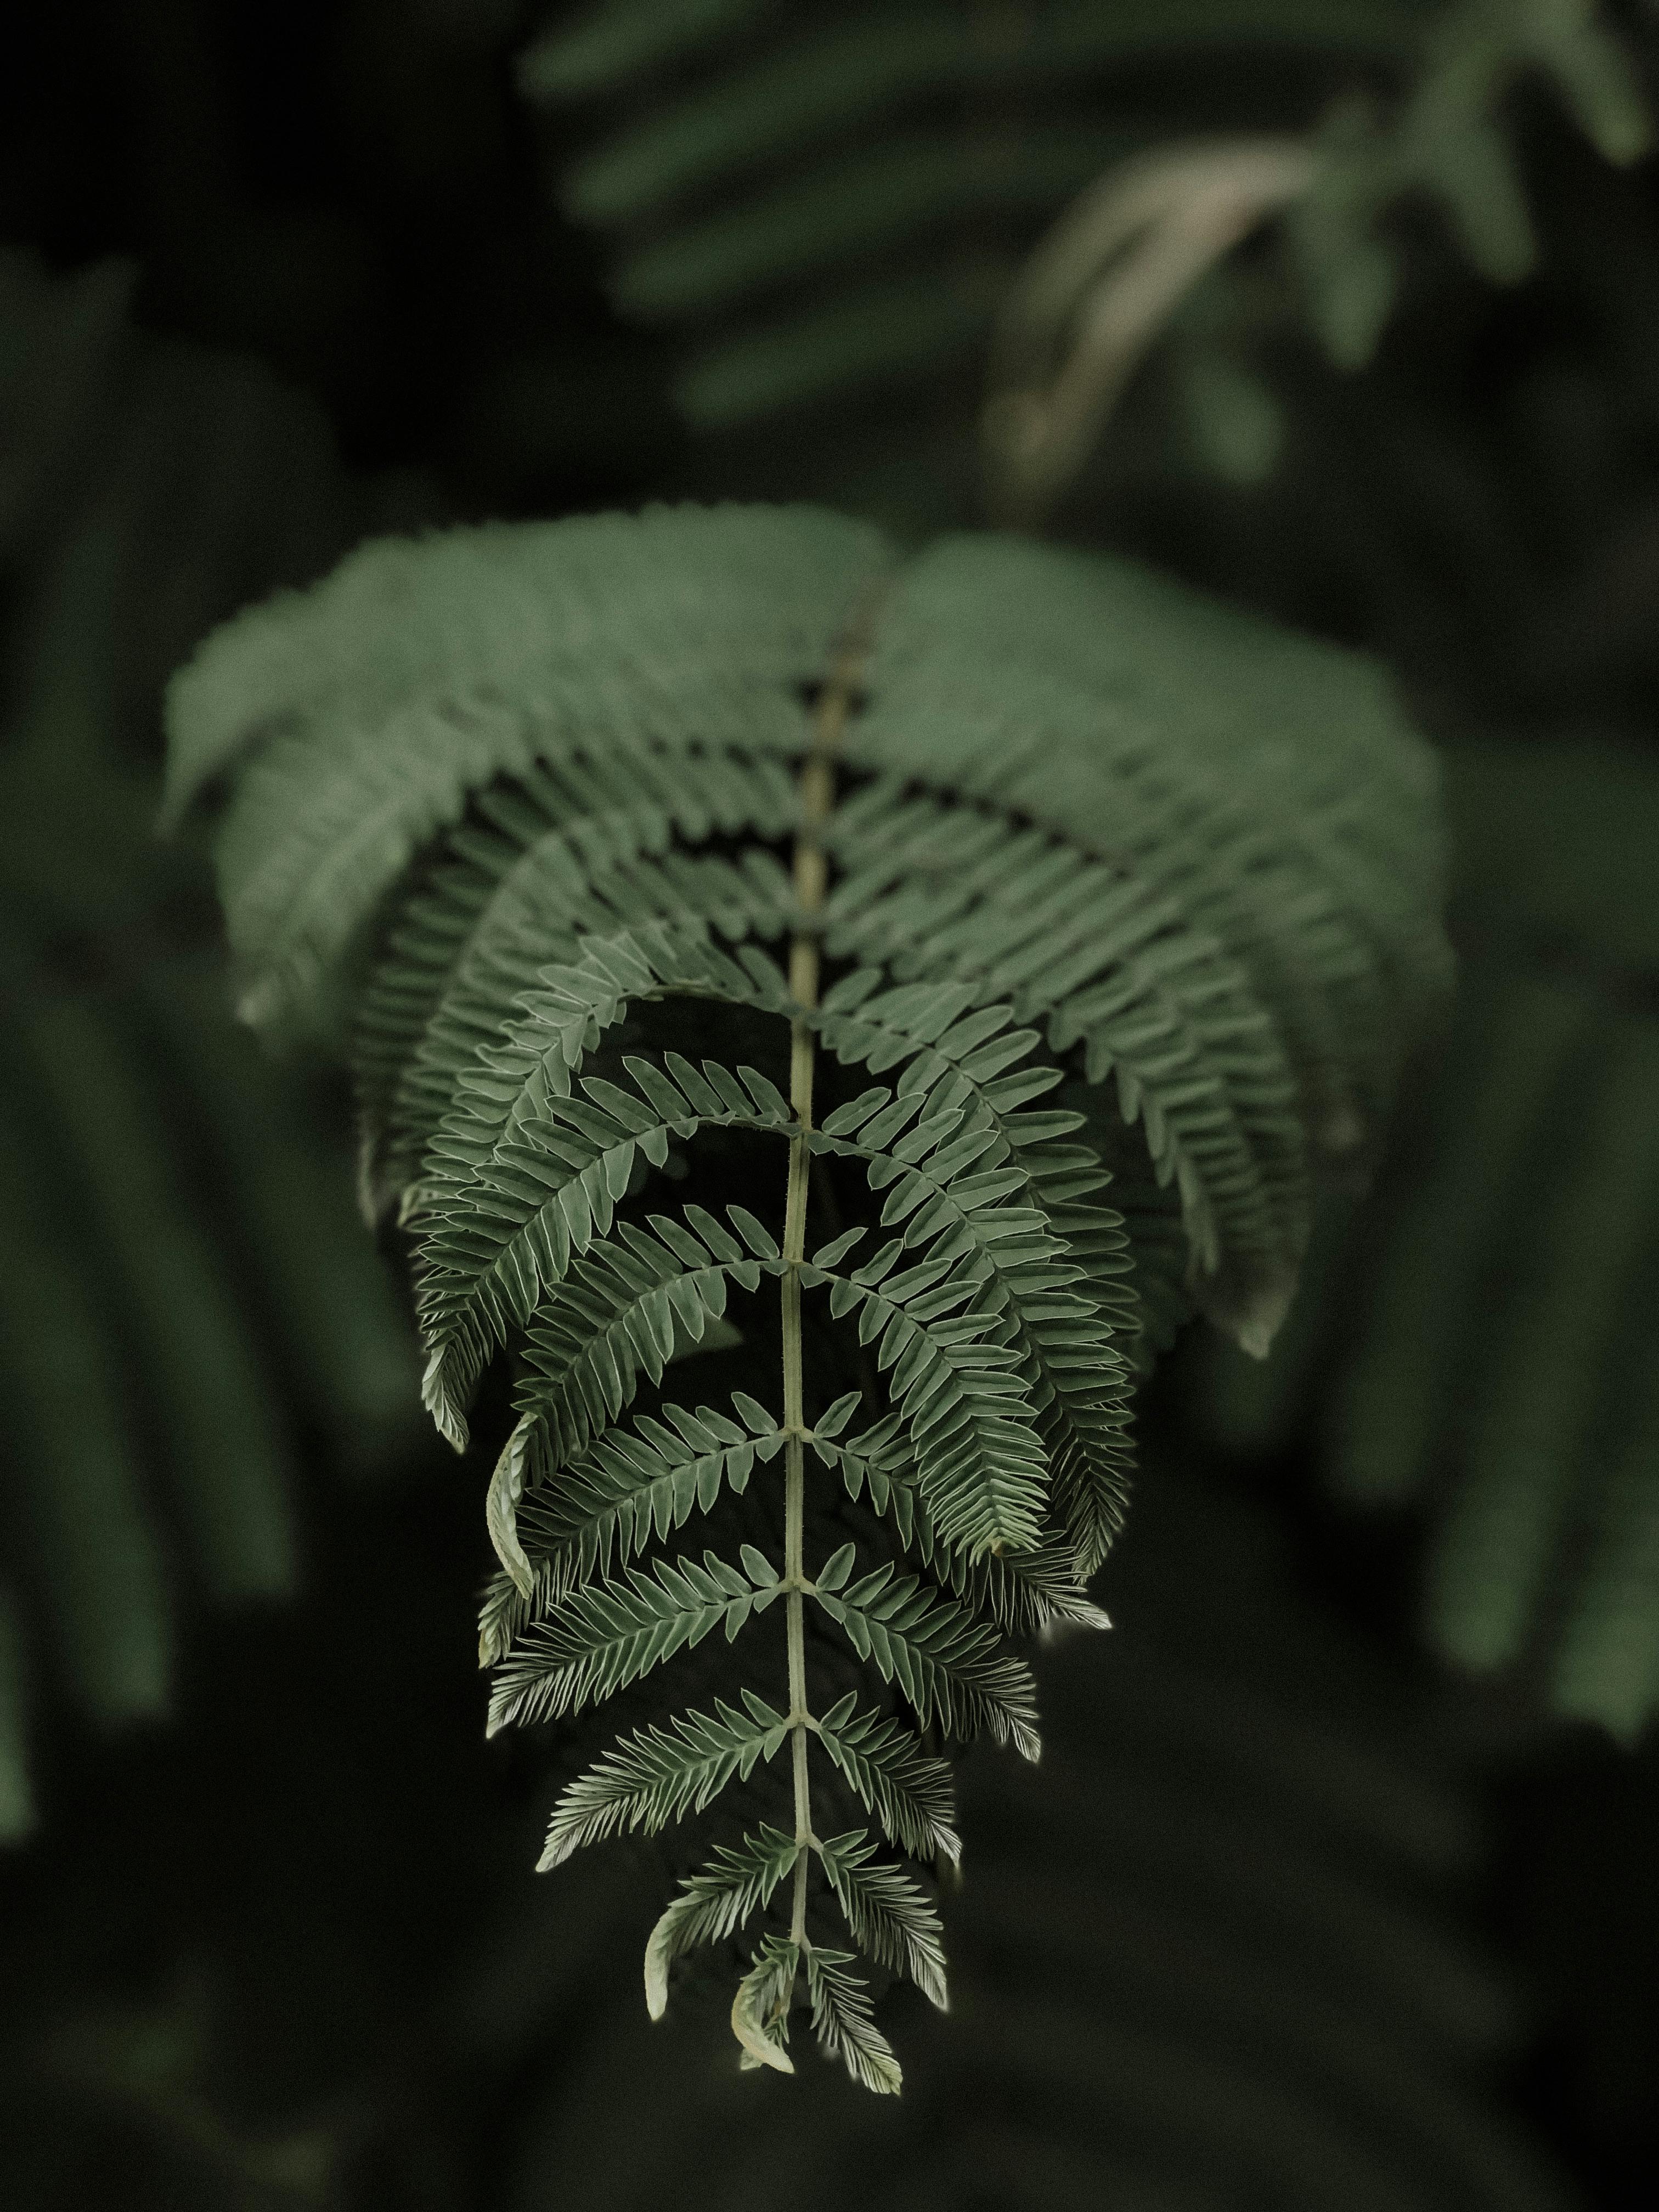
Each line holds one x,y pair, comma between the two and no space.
174,1254
830,201
1499,1365
529,795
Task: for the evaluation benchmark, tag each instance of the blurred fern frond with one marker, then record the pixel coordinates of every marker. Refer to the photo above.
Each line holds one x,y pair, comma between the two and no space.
832,201
543,800
170,1214
1490,1342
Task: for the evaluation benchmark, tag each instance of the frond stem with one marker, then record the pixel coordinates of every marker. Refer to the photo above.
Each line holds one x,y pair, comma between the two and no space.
817,799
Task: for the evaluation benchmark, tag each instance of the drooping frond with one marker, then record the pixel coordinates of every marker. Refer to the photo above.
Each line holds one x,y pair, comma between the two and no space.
426,672
622,1312
593,870
549,855
760,2010
982,1462
791,184
549,1189
610,1502
951,1180
1023,1592
1528,1283
1121,739
935,889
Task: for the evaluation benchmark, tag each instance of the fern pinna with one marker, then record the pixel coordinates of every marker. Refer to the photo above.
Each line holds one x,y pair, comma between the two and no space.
731,848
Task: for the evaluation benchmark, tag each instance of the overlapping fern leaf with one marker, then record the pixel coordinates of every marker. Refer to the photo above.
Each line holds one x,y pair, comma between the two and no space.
175,1257
1494,1359
826,200
725,899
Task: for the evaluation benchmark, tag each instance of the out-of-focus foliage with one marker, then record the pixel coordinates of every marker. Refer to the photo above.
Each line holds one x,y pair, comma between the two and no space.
830,201
1491,1331
184,1304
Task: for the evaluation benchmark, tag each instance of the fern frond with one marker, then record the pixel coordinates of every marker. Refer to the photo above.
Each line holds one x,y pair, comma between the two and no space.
390,690
98,1560
613,1499
227,1459
1214,1953
1121,738
1606,1664
951,1180
760,2010
630,1487
1545,1380
603,881
175,1291
965,1057
1023,1592
1494,1370
981,1459
660,1775
805,163
1026,916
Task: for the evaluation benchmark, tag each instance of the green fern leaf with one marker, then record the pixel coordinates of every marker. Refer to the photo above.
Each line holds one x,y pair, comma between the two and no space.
1022,1592
660,1775
760,2010
843,2023
802,203
621,1312
714,1904
495,1237
555,851
889,1916
413,647
597,1641
1497,1372
947,1664
908,1791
